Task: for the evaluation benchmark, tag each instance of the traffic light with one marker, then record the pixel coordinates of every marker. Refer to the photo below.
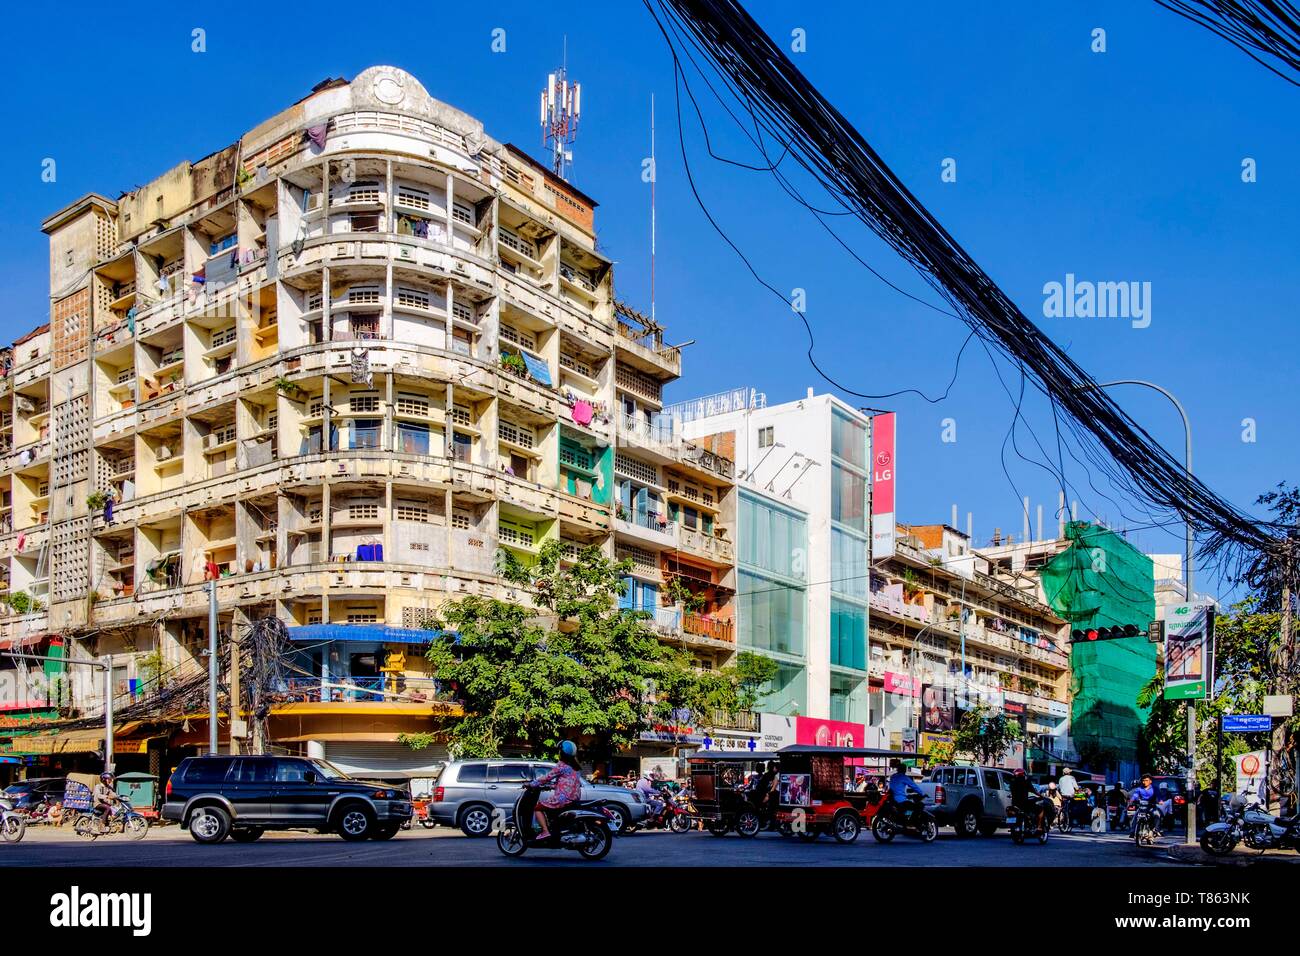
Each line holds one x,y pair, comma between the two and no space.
1084,636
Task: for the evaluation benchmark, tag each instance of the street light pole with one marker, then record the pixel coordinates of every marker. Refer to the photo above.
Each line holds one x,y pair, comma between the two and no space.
1189,548
212,667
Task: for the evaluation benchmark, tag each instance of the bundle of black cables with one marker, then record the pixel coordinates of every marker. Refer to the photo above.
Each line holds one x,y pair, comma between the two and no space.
1259,28
821,140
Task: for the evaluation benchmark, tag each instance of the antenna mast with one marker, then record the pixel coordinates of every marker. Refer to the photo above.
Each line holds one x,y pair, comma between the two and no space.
654,175
561,105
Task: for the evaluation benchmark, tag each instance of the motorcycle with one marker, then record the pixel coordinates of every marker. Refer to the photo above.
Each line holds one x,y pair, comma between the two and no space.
583,827
1263,831
121,817
13,825
917,821
1023,828
44,812
1222,837
1146,824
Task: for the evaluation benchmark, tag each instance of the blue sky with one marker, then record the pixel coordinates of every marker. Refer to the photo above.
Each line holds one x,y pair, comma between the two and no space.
1119,166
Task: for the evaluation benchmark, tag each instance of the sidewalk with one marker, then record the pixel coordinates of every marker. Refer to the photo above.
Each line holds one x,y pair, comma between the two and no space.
1241,856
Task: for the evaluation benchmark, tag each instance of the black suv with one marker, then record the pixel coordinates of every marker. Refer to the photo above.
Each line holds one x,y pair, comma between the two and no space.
242,797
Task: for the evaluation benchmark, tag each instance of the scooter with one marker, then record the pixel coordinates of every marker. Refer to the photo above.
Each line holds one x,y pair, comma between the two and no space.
1146,825
919,822
584,827
13,825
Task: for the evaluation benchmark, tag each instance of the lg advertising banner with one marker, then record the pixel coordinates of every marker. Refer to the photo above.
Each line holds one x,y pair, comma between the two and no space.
1188,648
882,486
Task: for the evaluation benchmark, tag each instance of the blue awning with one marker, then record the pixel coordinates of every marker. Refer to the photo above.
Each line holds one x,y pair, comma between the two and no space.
366,633
537,368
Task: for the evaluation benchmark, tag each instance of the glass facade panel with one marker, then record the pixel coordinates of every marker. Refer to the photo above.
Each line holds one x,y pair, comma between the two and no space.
772,539
849,569
849,439
848,498
848,635
771,615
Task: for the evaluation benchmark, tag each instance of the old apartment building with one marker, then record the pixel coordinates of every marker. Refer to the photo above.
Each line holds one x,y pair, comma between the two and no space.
334,367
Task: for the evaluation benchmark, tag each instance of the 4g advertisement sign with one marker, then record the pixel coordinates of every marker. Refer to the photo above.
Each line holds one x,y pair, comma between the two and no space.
1189,651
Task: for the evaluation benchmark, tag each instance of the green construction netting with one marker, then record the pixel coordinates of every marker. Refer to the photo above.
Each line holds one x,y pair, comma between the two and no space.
1101,580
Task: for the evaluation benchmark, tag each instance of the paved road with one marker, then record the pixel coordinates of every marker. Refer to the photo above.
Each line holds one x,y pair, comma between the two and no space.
168,846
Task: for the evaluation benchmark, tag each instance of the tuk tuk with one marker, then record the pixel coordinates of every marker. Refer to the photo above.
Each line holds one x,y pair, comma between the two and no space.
818,793
721,800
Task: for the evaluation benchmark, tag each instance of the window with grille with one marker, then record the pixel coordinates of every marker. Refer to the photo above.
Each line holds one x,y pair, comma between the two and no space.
360,616
363,191
674,486
636,469
224,434
512,240
365,325
126,375
414,405
360,511
223,337
419,617
407,512
364,402
460,520
313,617
412,198
364,222
520,338
707,498
520,435
516,533
313,514
272,421
464,311
766,437
412,298
641,559
463,212
315,301
363,295
43,489
460,414
316,407
575,365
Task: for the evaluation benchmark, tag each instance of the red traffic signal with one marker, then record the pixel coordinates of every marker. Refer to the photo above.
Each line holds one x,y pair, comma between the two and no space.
1112,633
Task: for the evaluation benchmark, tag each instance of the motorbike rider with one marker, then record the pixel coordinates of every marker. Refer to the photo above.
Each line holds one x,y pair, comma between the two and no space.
900,784
646,788
566,780
1055,803
764,787
1021,801
104,796
1145,792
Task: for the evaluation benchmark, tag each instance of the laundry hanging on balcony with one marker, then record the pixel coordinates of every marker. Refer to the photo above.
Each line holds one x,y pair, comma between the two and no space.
583,412
317,135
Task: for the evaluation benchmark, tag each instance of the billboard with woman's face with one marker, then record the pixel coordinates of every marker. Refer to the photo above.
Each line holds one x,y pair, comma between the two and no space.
938,709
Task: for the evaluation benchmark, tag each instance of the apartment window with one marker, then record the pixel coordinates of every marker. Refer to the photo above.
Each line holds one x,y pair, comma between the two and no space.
463,212
417,406
365,402
364,325
413,198
363,617
848,498
315,301
524,339
363,191
463,311
460,521
766,437
520,435
223,337
412,439
407,512
363,221
461,343
849,439
361,511
217,246
412,299
460,415
365,433
520,466
460,447
634,468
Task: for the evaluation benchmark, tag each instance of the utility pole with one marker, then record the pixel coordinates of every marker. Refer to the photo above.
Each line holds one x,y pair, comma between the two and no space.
1285,656
108,714
212,667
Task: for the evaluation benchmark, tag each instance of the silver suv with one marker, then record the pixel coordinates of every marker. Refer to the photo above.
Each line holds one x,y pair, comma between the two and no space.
467,794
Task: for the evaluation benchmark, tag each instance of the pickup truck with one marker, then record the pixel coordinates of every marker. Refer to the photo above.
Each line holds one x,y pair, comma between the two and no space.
972,800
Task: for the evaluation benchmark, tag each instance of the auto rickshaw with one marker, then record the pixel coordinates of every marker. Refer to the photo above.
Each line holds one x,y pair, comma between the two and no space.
722,803
816,794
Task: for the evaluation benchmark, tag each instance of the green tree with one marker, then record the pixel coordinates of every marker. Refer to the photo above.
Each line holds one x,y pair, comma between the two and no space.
1162,741
573,664
982,735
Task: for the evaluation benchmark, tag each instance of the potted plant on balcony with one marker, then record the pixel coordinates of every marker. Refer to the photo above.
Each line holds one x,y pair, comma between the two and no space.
514,362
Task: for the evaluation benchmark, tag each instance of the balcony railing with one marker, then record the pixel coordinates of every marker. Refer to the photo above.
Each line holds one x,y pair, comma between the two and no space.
702,625
745,720
396,689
